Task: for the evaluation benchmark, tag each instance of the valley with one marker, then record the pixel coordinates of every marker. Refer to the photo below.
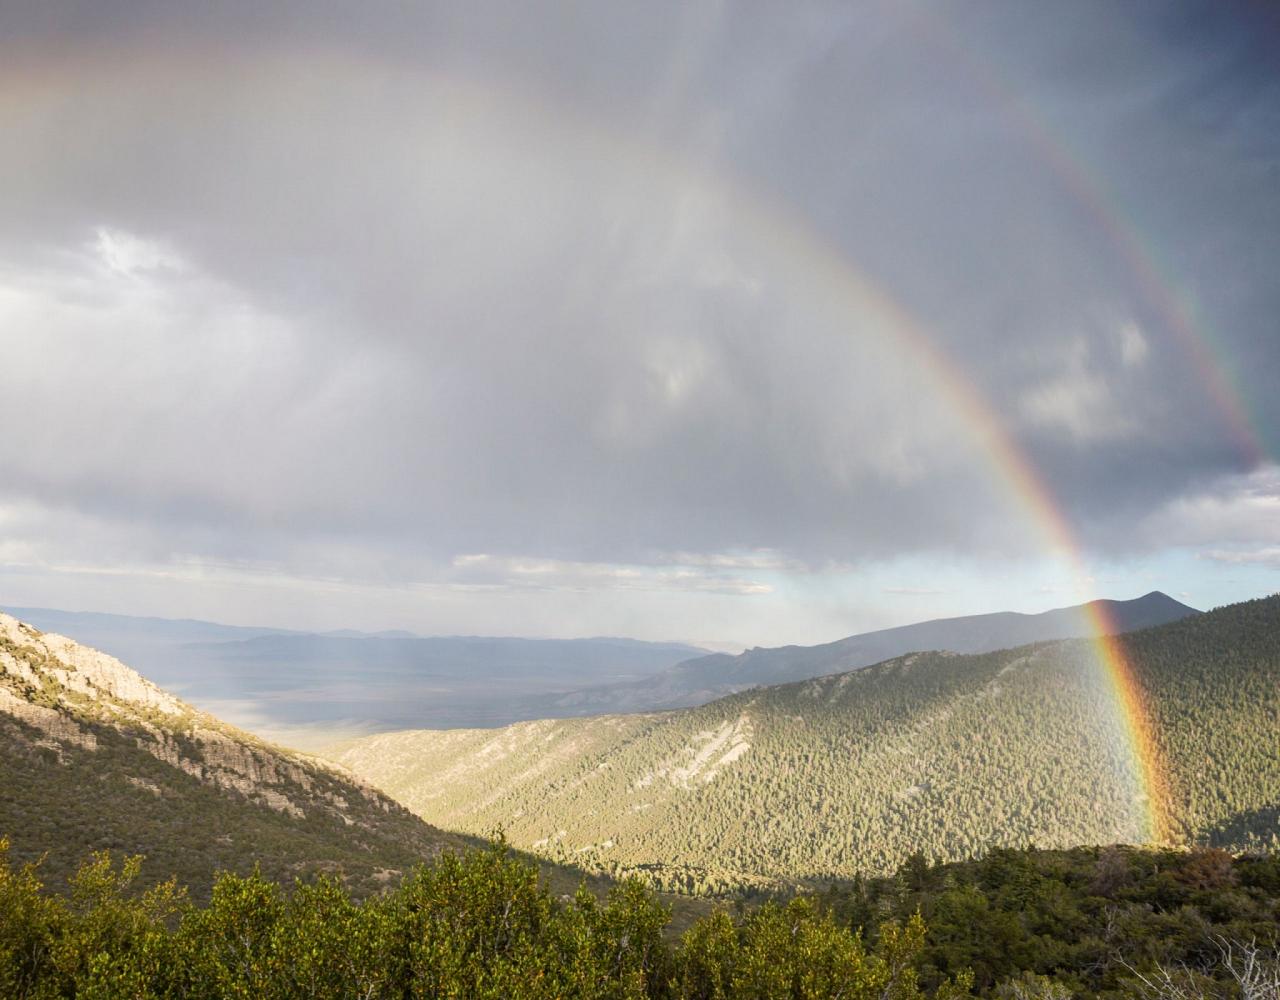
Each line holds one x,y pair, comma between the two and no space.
299,688
943,754
302,688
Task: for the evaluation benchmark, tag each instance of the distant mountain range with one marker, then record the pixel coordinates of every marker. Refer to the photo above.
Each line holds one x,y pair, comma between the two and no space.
943,754
307,689
697,681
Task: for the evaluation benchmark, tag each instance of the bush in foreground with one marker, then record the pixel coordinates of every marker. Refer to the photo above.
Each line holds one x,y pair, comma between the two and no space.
1112,924
479,925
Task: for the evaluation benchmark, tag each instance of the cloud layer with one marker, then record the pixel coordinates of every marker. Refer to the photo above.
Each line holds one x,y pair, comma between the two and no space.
631,296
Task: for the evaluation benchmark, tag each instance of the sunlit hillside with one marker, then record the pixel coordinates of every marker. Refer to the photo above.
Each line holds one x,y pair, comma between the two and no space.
941,754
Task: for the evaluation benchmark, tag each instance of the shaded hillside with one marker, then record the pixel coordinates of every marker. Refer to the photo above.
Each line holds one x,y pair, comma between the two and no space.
941,753
298,687
94,756
697,681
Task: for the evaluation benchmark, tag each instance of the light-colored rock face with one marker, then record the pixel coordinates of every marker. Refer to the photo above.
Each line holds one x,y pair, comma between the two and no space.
86,671
62,690
709,752
56,727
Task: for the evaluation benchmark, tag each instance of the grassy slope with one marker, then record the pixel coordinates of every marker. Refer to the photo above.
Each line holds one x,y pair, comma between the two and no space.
936,753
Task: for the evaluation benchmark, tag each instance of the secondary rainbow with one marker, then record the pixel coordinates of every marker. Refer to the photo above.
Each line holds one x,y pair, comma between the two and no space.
1177,313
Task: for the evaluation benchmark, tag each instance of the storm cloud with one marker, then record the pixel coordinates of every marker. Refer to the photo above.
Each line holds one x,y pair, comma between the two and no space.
697,299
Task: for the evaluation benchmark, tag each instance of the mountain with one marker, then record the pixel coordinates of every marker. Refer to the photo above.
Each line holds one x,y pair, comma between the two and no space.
940,753
94,756
308,690
300,688
354,633
697,681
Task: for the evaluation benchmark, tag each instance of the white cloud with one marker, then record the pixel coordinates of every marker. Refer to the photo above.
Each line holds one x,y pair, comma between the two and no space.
1268,556
1079,404
1240,510
128,254
1090,402
558,574
1133,345
678,367
759,559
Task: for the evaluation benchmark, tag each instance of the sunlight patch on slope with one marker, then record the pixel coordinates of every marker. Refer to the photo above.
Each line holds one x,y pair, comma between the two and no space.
710,751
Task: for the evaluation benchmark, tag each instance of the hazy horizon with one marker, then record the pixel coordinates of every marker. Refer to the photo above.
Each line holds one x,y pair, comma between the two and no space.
710,646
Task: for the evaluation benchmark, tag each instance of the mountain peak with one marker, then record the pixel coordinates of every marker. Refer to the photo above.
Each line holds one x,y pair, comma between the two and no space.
1151,609
1160,597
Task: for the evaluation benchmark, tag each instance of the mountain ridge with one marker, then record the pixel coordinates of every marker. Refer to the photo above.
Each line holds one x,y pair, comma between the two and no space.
32,615
697,681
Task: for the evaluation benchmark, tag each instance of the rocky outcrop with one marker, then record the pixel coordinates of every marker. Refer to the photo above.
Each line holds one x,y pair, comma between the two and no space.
79,669
62,692
55,727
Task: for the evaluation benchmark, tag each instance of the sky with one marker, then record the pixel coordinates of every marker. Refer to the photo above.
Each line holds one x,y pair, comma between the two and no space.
741,324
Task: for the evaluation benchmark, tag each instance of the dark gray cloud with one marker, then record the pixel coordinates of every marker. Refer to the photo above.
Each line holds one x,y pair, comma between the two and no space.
360,291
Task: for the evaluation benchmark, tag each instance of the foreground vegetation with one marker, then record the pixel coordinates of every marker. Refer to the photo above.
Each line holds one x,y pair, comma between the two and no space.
477,926
807,782
1016,925
1085,921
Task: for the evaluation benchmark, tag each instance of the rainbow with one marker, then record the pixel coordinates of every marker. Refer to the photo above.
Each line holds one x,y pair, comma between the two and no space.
806,255
1012,465
1088,192
1139,731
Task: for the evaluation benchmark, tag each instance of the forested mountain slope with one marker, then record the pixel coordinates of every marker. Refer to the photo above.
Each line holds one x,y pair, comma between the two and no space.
938,753
94,756
697,681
